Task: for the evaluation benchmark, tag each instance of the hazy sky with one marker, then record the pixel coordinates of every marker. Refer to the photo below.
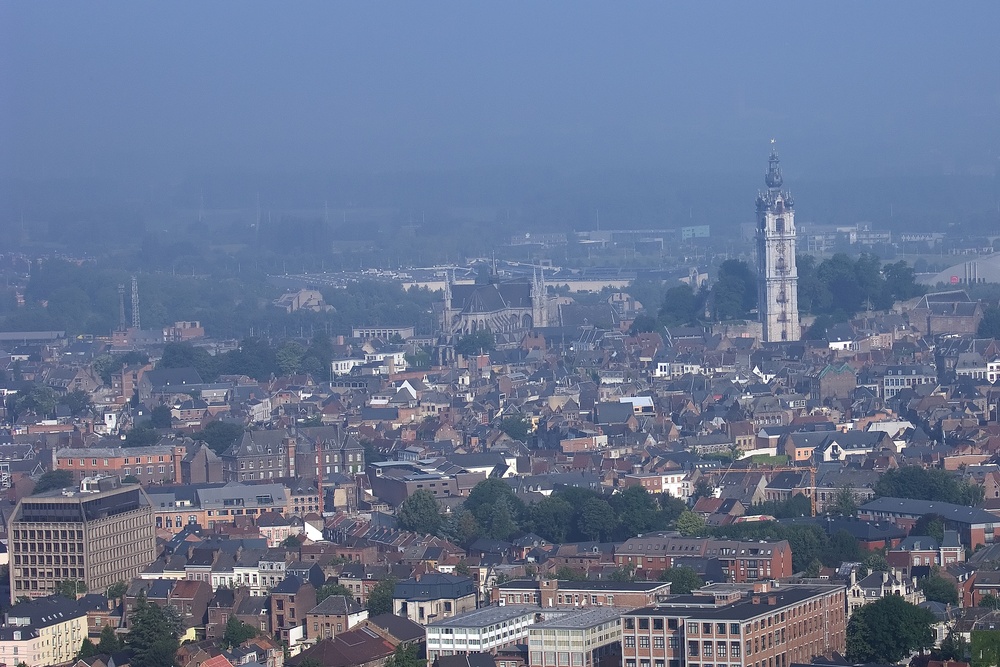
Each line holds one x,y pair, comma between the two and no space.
165,89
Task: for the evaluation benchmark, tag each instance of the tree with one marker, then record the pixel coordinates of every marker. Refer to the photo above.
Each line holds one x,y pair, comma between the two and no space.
567,573
117,590
420,513
53,479
78,401
71,588
332,588
989,601
87,649
928,484
219,436
291,542
642,324
289,357
954,647
680,306
154,634
703,488
841,548
405,656
551,518
142,435
516,427
500,525
690,523
938,589
380,597
985,649
814,567
735,290
682,580
472,344
597,519
486,496
109,642
931,525
845,502
989,326
237,632
888,630
624,574
160,417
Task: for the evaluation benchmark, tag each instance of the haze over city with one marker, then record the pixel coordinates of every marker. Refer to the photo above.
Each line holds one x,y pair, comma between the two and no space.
491,103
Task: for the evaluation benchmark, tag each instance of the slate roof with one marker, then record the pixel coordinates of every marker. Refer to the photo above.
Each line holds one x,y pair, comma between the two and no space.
434,586
910,507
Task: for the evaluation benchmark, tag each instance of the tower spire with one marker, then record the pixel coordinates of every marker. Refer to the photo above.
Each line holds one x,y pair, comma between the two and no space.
773,176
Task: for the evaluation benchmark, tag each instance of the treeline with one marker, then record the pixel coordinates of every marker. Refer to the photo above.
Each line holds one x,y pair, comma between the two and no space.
254,357
834,290
569,514
228,298
934,484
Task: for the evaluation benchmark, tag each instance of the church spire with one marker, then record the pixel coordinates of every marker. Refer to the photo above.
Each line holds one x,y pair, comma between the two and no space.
773,177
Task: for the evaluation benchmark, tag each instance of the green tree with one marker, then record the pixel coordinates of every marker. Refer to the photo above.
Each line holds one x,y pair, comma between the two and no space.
116,591
219,436
237,632
380,597
551,518
931,525
597,519
87,649
289,357
405,656
989,326
985,648
333,588
735,292
487,495
109,642
845,502
501,523
989,601
70,588
420,513
938,589
142,435
154,634
841,548
623,574
636,511
643,323
516,427
567,573
954,647
888,630
472,344
186,355
680,306
53,479
78,401
159,417
928,484
814,567
690,523
682,580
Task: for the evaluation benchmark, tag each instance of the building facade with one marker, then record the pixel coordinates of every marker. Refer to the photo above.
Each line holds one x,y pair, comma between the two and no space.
99,534
734,628
777,279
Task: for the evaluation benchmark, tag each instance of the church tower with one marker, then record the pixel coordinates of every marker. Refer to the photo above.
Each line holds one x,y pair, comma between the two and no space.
777,279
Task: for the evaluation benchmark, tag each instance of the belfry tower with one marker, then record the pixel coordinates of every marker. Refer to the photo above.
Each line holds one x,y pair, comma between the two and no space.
777,279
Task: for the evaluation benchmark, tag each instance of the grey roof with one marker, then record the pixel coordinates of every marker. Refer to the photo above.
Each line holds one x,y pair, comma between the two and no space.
910,507
337,604
434,586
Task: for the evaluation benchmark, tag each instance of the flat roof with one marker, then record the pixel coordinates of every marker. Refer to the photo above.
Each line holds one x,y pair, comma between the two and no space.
589,585
741,610
486,616
583,618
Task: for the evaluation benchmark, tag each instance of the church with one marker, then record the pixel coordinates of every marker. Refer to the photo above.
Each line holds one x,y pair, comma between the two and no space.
502,307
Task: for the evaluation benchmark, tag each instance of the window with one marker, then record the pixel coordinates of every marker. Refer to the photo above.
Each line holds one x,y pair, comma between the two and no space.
630,624
692,628
643,642
657,642
693,649
720,628
644,624
657,623
629,641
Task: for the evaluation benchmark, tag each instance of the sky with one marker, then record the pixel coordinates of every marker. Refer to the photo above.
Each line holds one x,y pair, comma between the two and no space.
163,90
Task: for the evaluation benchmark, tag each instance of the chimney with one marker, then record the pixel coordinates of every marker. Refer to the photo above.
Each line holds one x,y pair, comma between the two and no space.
755,599
854,576
772,600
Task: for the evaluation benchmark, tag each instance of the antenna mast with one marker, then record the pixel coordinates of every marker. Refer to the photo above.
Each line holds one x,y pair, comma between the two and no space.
135,303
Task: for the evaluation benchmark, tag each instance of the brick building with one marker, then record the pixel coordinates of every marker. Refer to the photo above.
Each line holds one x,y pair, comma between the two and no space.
557,592
733,561
758,628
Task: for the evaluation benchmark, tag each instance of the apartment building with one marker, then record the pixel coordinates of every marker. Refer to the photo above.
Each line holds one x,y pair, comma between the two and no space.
733,626
549,593
734,561
100,533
